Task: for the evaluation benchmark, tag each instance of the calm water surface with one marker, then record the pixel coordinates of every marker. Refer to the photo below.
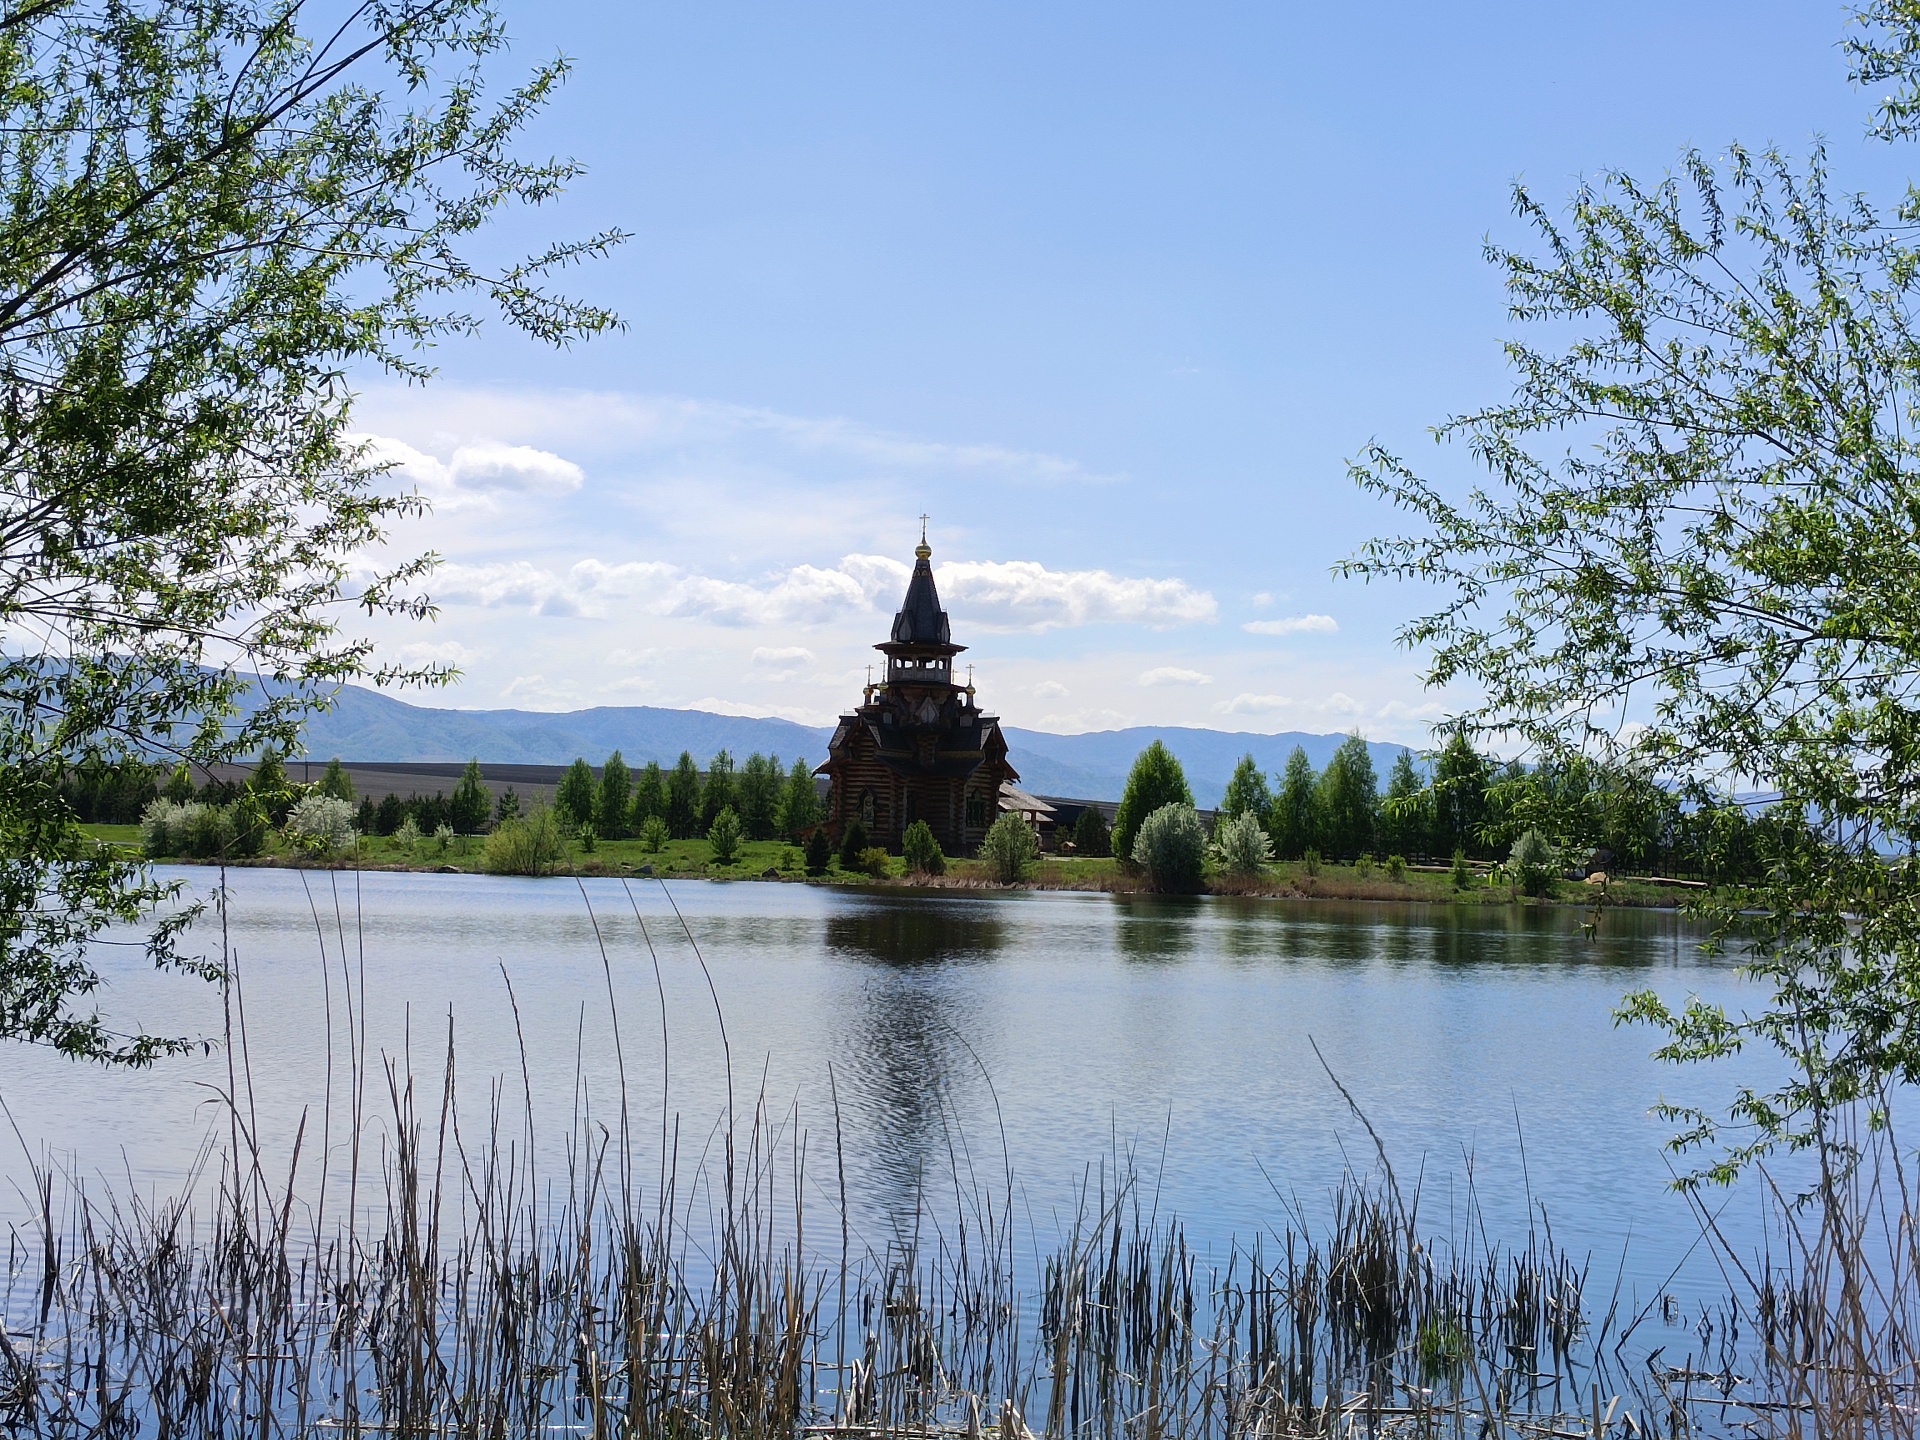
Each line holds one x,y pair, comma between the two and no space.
1050,1033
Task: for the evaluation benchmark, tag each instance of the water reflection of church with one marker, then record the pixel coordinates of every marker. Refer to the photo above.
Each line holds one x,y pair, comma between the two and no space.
918,747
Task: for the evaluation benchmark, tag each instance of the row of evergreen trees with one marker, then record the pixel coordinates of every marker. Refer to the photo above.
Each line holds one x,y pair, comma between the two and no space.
771,803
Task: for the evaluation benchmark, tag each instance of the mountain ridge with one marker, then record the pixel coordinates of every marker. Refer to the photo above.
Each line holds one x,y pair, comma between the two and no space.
366,726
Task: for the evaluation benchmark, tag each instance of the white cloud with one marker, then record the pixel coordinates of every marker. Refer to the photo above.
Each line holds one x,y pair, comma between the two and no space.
1262,600
1395,711
781,656
1005,595
490,465
445,652
516,582
1076,722
478,468
1173,675
634,659
538,693
1340,704
1026,595
799,714
782,662
1294,625
1049,690
1247,704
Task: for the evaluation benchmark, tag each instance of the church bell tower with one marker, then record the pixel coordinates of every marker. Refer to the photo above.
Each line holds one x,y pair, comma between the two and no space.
918,747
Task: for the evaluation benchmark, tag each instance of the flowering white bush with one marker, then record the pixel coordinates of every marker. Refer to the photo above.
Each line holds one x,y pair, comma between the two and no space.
1241,845
1172,848
320,822
165,825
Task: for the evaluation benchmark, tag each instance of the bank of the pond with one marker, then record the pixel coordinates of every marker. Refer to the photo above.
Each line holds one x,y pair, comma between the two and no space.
777,861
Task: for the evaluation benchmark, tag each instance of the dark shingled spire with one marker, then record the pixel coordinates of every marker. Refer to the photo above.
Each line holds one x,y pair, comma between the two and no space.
921,621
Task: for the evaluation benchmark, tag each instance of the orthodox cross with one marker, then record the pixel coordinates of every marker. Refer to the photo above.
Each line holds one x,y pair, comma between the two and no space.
923,529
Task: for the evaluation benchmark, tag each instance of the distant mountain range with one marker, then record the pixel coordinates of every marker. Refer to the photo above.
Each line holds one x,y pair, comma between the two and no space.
365,725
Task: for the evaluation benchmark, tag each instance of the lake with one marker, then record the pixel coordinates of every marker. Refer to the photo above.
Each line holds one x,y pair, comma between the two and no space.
1051,1033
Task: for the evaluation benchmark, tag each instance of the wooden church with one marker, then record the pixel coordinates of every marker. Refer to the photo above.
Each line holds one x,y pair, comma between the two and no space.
918,747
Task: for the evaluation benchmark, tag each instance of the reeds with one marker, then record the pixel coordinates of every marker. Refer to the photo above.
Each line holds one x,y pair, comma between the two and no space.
443,1286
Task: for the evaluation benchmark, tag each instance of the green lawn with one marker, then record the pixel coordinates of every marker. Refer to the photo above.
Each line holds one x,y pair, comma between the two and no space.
694,859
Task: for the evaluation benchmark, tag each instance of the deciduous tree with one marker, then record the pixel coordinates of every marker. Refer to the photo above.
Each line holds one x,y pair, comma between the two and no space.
1348,801
579,792
214,215
472,802
1693,555
1296,809
1155,780
1247,792
613,810
683,799
800,808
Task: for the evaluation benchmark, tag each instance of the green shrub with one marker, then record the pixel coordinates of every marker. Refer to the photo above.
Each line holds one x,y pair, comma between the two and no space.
653,835
321,824
851,844
1532,862
1090,834
1363,867
406,835
163,827
1010,849
819,853
1156,780
724,836
210,833
1462,873
872,861
528,845
1241,845
1171,848
789,859
922,851
1310,862
1397,868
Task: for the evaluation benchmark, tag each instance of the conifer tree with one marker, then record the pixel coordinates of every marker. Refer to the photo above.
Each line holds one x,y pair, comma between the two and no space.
270,786
800,807
614,814
179,788
1295,824
472,802
683,799
576,796
1156,779
336,783
649,796
1090,834
719,792
1247,792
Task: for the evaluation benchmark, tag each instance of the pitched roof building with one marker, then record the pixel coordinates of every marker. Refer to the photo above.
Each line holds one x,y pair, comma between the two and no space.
918,747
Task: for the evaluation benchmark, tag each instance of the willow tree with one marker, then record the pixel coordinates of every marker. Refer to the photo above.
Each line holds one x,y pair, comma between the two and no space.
216,217
1691,558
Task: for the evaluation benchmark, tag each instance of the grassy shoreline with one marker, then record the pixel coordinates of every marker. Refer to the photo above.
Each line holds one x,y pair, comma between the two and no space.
777,861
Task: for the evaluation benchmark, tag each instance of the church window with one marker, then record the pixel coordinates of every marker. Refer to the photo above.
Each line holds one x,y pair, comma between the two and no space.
866,807
976,811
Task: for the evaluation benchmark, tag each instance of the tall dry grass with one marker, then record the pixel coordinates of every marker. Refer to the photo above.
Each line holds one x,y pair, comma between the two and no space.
446,1286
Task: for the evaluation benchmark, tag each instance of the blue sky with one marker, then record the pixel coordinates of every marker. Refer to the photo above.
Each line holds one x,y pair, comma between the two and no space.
1111,292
